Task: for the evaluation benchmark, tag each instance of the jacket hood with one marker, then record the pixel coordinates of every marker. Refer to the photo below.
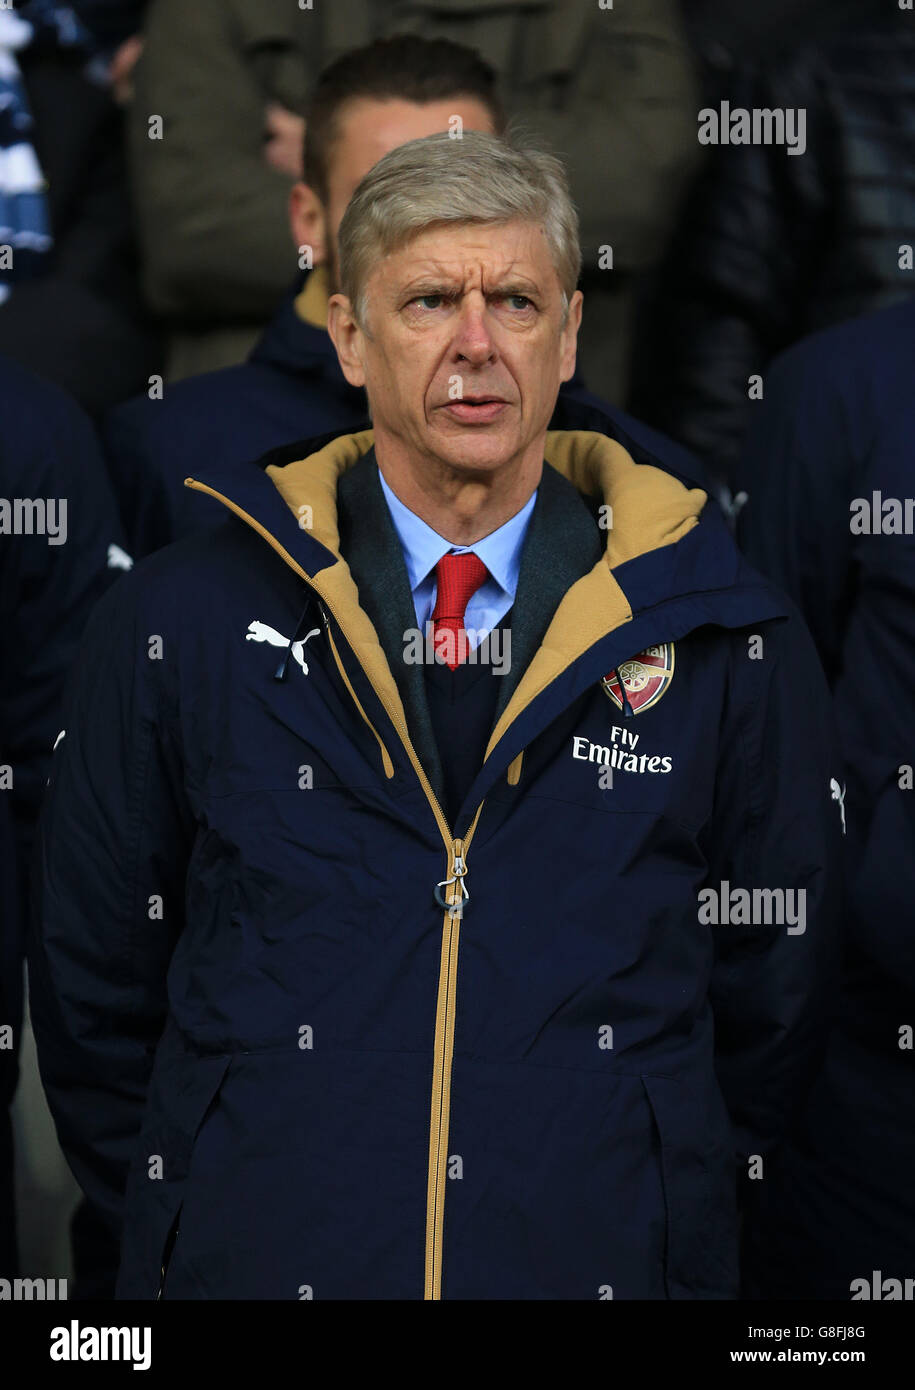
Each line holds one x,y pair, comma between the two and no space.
648,507
661,552
296,338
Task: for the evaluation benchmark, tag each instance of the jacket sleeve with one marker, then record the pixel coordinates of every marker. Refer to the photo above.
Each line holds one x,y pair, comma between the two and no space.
48,584
776,826
212,214
145,476
108,885
797,464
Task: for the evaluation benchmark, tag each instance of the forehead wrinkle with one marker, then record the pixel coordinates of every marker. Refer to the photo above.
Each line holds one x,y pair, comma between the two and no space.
436,272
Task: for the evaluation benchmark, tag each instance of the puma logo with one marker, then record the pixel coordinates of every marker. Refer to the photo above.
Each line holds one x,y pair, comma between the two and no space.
260,632
838,794
118,559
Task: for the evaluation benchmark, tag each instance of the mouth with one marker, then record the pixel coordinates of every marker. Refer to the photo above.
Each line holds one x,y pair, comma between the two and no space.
476,410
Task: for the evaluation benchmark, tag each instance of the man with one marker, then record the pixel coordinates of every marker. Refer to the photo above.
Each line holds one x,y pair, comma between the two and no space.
366,975
291,387
610,90
829,475
59,551
367,102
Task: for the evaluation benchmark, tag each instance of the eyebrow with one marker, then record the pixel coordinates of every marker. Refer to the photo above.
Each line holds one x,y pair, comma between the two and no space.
446,285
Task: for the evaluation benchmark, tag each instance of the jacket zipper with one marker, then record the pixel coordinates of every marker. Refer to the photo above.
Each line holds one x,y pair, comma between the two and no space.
167,1254
455,894
443,1057
451,893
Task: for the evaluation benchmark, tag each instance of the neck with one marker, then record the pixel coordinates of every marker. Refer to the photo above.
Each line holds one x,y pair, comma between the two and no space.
461,504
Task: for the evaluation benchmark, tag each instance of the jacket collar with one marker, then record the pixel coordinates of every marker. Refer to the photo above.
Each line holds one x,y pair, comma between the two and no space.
664,569
375,558
296,338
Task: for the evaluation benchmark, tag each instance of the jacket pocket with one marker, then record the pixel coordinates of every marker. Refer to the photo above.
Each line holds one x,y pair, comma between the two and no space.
699,1192
184,1092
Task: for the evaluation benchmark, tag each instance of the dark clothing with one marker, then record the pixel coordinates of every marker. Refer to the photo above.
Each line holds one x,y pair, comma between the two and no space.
313,1078
11,971
720,28
48,586
111,21
81,323
835,431
774,246
368,536
462,708
291,388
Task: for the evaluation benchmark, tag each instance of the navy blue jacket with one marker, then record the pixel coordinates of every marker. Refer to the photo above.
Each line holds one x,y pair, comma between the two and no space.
279,1059
291,388
833,437
48,585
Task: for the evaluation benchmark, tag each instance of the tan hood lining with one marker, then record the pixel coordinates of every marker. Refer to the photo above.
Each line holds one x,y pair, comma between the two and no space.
650,509
311,301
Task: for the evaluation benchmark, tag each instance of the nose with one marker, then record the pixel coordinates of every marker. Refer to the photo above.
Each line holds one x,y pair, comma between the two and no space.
473,341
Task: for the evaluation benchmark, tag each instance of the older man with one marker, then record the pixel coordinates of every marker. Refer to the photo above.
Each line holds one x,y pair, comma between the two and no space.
370,974
291,387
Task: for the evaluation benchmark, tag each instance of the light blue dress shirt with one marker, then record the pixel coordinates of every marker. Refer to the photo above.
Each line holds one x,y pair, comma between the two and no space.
500,552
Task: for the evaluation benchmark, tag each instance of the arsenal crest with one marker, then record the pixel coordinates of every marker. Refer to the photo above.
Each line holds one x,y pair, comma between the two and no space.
645,678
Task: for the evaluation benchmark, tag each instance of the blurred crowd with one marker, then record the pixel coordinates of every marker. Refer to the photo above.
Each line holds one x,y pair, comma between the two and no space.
172,179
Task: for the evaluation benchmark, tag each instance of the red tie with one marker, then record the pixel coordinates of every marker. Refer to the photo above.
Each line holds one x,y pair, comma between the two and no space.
458,578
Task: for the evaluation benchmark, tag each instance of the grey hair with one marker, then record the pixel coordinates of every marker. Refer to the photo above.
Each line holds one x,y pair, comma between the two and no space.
440,179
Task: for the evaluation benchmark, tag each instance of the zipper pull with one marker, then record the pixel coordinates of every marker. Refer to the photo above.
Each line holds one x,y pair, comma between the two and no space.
455,903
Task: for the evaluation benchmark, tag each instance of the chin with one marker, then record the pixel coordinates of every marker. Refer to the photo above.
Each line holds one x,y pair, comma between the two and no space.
477,450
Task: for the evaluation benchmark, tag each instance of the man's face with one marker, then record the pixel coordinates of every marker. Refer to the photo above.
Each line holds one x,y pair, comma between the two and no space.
465,347
366,131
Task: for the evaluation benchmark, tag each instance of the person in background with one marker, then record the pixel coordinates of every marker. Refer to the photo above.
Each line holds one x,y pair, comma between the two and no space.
291,387
724,33
70,308
829,473
612,91
60,548
773,245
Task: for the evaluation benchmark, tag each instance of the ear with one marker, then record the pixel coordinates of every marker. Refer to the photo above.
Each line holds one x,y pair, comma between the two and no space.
569,344
308,221
347,338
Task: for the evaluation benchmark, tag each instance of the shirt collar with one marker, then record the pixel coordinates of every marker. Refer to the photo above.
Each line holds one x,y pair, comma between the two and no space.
423,547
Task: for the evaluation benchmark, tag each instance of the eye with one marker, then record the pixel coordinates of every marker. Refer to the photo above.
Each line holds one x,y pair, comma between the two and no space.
519,303
429,301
